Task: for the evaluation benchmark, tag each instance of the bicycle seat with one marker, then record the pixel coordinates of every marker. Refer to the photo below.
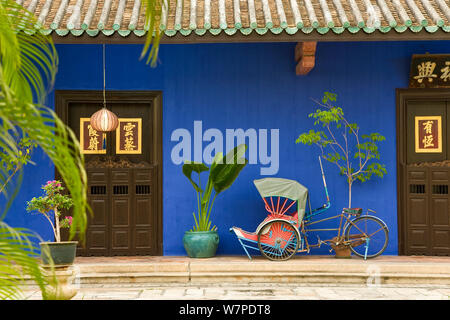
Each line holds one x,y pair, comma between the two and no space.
353,211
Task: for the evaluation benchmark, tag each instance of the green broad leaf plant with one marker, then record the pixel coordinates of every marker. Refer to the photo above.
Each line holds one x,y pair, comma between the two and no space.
355,155
222,174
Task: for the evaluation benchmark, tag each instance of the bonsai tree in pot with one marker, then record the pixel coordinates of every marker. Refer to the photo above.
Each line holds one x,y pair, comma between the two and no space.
61,252
202,240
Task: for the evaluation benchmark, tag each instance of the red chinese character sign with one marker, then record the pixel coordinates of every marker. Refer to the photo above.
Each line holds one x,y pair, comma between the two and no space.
428,134
430,71
129,136
91,141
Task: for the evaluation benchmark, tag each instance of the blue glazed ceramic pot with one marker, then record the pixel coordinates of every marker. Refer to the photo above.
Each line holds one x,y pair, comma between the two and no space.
201,244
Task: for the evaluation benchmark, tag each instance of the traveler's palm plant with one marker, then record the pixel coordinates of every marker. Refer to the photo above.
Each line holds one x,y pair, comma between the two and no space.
222,173
28,64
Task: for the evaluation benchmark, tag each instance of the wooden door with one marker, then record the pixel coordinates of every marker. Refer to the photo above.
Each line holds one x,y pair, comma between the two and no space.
124,190
423,175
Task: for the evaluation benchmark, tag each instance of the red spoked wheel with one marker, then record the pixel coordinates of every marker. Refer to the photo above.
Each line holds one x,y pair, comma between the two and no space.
278,240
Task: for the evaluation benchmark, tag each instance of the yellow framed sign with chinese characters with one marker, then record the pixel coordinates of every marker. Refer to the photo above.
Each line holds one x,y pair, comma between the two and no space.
129,136
428,134
91,141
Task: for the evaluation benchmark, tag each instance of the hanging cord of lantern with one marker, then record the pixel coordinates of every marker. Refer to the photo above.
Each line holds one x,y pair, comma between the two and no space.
104,78
104,120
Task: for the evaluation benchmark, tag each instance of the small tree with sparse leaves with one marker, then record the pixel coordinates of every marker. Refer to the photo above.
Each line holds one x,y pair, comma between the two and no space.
11,164
340,143
55,201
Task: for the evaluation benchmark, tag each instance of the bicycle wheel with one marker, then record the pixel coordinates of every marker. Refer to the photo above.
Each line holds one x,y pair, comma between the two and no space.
278,240
367,228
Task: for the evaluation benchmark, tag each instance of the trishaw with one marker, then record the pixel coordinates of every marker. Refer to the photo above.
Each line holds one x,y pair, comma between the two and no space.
283,233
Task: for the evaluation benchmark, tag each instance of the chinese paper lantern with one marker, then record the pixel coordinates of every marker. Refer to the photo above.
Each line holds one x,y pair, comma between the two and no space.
104,120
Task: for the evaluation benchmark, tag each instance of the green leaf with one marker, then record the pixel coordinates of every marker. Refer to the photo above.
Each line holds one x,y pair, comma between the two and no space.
153,11
189,167
328,96
218,158
224,174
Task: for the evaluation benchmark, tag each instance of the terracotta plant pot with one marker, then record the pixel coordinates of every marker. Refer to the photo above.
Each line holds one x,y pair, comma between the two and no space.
62,253
201,244
342,251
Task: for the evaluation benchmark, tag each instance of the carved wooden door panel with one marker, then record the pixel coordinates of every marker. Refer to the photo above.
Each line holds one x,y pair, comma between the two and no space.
439,211
97,234
143,202
121,200
417,212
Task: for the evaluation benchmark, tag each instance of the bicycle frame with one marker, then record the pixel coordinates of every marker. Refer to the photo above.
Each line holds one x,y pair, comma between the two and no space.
342,227
340,238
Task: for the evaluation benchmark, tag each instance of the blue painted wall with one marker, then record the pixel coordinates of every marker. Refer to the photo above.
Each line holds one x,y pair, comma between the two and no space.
230,86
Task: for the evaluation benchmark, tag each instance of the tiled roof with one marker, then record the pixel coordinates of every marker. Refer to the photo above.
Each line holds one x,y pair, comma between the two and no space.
199,17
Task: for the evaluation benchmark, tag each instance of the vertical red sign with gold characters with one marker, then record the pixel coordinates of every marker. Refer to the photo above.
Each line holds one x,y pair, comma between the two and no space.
91,141
129,136
428,134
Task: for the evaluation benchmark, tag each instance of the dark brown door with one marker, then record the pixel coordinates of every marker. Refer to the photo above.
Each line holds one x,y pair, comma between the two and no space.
423,172
124,190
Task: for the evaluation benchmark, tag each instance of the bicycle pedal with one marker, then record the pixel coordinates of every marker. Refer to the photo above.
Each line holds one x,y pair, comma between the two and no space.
319,242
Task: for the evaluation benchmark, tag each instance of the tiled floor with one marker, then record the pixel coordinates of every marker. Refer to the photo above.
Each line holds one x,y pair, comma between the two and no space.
260,292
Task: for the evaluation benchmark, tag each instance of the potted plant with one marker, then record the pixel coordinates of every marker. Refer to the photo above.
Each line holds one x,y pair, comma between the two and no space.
60,252
202,240
355,155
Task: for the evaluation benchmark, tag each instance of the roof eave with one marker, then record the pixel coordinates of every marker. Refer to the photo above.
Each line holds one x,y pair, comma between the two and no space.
178,38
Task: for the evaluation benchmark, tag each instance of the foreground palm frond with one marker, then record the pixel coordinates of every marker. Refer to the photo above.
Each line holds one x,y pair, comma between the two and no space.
153,11
28,64
18,258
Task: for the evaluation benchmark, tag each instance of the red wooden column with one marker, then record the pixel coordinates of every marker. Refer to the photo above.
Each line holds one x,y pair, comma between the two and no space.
305,57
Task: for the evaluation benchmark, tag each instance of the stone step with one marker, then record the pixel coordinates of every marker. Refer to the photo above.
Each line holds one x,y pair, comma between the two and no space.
132,267
134,277
207,278
267,272
320,267
324,278
169,271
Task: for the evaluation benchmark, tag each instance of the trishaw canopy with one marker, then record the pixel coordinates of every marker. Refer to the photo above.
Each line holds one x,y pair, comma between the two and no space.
279,187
